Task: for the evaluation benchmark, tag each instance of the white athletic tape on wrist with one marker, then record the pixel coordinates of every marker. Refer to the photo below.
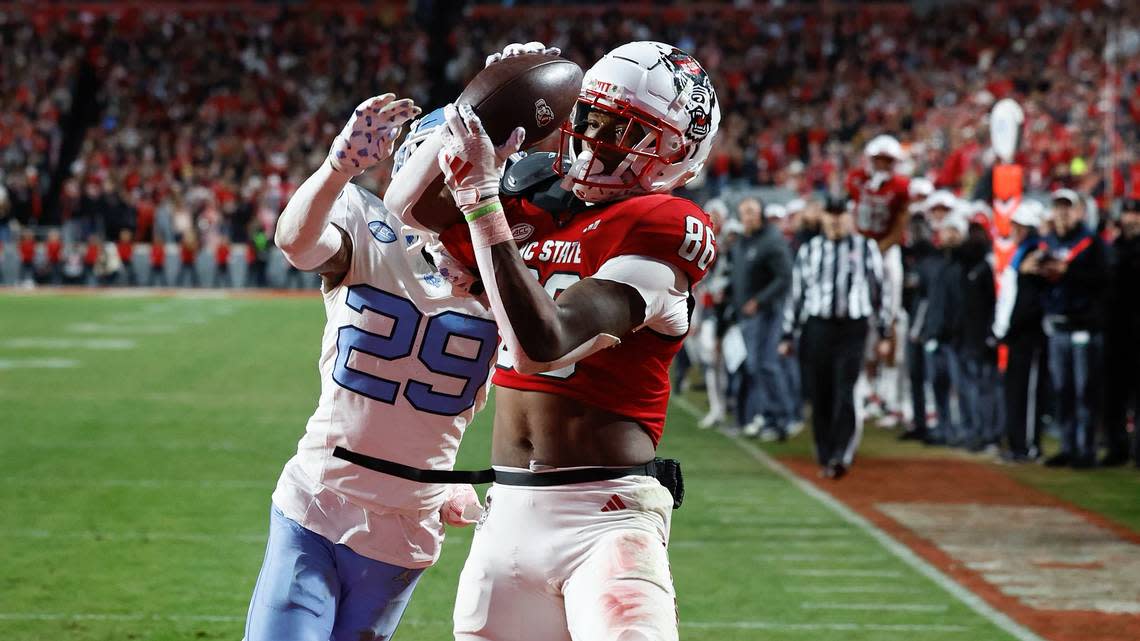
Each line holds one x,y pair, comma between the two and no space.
488,225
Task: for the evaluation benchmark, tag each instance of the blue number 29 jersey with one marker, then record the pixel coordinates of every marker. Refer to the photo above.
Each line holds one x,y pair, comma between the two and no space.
404,367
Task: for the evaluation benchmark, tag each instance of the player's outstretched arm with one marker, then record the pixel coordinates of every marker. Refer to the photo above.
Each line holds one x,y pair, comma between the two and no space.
303,233
542,333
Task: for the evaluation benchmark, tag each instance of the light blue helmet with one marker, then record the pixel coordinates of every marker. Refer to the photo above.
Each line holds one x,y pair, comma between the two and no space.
418,131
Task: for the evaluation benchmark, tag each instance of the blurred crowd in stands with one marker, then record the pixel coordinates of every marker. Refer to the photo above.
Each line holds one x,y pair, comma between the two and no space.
198,124
139,145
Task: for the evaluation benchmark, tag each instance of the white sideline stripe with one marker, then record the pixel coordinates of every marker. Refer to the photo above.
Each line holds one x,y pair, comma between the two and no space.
815,627
781,544
113,328
799,531
123,444
875,607
67,343
775,520
838,557
736,625
92,616
851,589
142,483
177,537
973,601
878,574
37,363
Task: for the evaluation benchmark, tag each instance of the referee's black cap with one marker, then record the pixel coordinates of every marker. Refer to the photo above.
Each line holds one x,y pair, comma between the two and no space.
835,205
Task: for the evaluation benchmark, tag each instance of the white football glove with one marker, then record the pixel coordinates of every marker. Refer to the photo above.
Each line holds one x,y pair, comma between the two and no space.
471,164
462,507
518,49
452,270
370,134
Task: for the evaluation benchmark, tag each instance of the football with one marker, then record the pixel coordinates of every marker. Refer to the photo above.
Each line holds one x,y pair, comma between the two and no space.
533,91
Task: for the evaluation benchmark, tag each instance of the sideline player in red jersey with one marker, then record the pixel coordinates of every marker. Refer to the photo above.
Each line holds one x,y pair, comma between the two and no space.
591,308
880,194
881,198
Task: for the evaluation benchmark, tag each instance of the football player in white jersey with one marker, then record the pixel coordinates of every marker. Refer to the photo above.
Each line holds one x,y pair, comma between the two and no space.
404,366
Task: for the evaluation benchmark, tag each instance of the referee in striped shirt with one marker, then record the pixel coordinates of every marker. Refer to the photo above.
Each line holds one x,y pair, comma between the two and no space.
837,290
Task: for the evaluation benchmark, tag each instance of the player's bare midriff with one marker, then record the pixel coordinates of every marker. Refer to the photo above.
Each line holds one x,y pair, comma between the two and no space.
562,432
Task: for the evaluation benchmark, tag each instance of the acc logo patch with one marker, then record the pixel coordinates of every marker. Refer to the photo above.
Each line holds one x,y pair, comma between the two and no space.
522,231
543,114
382,232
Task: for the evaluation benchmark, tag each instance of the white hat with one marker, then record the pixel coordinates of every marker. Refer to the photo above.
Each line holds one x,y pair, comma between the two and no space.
884,146
1068,195
1027,214
732,226
795,205
921,187
775,211
718,206
942,198
956,220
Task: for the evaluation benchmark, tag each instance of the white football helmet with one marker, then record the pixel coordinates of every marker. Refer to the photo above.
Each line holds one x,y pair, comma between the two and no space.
660,116
884,145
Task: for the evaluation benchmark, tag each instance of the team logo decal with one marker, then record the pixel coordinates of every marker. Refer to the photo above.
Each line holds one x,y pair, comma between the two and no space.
543,114
522,231
688,76
382,232
700,121
685,62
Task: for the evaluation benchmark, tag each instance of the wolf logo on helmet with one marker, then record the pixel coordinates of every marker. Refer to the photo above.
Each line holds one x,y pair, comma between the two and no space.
700,122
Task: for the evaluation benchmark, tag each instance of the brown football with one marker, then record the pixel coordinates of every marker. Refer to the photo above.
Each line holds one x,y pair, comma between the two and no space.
533,91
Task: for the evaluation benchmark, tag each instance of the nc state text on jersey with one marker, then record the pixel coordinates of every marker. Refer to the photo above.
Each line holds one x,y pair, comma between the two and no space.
553,251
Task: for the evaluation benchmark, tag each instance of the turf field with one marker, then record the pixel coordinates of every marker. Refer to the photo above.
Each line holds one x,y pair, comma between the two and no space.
142,437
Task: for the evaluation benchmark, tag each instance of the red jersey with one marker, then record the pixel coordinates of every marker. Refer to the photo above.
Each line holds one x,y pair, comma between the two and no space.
126,250
54,250
878,206
632,378
91,255
222,255
27,251
157,254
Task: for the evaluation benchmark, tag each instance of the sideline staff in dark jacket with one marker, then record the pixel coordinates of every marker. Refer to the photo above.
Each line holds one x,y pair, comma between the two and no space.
1017,323
761,276
1123,339
977,355
1074,262
942,326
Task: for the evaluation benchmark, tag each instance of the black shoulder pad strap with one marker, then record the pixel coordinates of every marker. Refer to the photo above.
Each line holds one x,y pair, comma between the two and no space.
533,178
534,172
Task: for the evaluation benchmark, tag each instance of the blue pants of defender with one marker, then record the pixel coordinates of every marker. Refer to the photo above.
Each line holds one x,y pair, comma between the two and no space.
311,589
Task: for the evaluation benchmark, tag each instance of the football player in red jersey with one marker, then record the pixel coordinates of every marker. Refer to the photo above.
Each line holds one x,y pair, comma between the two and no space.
592,304
881,198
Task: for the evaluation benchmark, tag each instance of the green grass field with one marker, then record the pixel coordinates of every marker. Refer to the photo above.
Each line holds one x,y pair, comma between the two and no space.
142,437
